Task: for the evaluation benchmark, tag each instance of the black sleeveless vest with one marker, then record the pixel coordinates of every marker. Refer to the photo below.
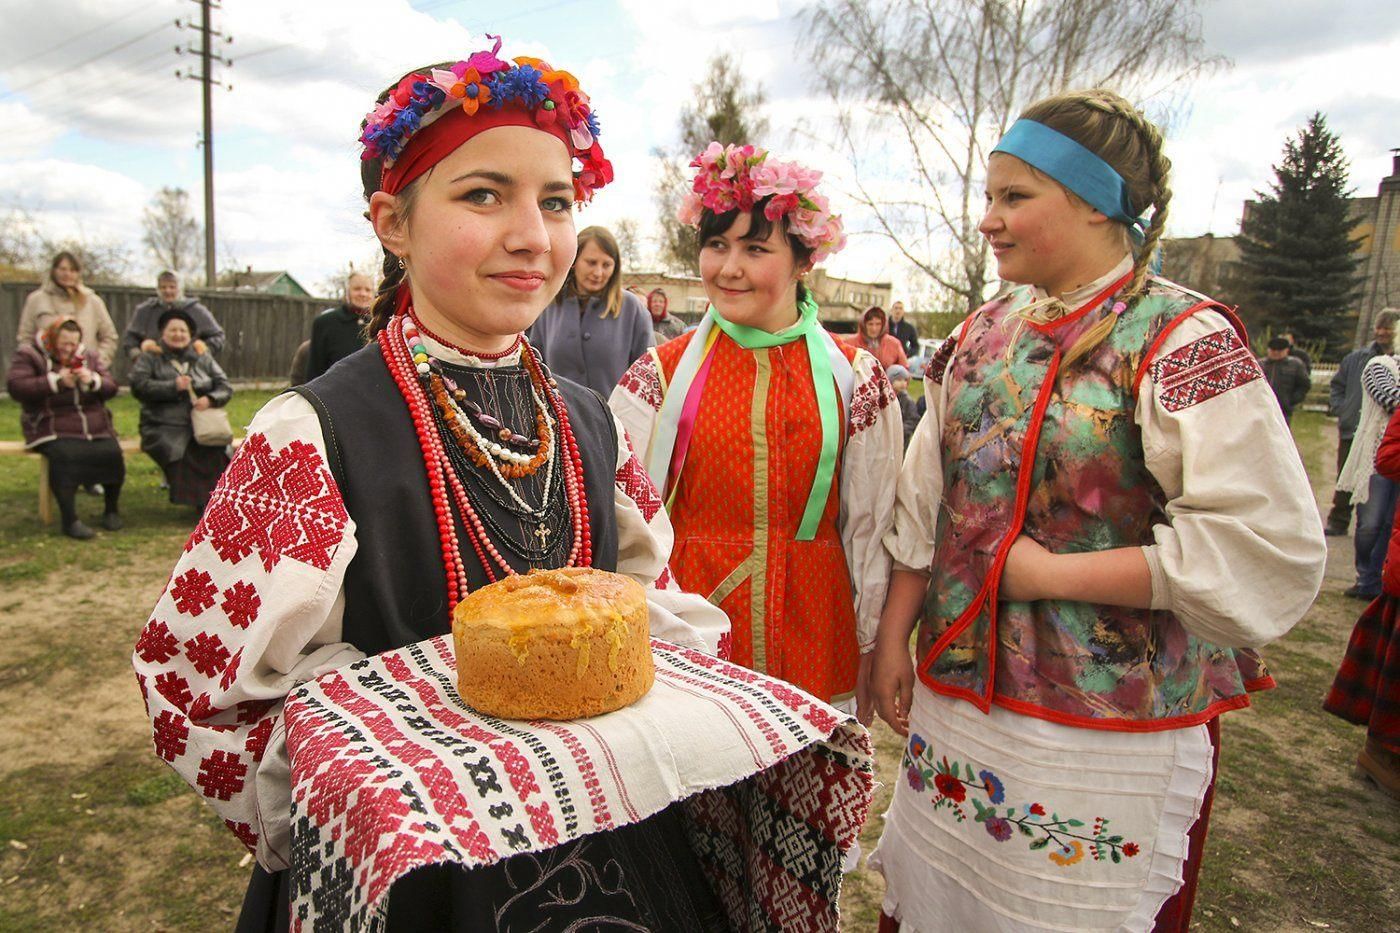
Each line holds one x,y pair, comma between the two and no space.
396,586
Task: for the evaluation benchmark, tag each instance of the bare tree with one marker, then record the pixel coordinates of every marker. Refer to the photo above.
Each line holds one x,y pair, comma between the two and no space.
725,110
26,251
171,234
924,88
629,244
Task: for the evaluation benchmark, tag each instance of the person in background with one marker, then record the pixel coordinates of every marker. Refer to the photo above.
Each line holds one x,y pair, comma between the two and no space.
297,375
908,409
1366,690
338,332
903,331
170,383
1371,492
62,390
63,295
663,324
1297,352
875,339
143,332
593,330
1344,404
1286,375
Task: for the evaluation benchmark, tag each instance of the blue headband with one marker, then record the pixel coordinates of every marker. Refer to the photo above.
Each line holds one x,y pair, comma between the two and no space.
1075,167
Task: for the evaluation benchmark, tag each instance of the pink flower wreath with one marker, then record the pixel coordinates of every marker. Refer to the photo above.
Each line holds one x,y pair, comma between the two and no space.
738,177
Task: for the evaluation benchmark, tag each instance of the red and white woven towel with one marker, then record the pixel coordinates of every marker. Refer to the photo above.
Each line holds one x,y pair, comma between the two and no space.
392,771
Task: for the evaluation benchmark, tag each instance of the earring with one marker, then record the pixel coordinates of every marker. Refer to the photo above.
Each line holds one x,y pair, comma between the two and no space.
402,264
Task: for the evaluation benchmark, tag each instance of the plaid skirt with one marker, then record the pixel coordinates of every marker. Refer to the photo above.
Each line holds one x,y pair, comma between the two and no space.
193,477
1366,690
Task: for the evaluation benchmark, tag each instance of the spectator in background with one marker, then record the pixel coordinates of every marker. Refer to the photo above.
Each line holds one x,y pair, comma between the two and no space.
908,410
903,331
62,389
1366,690
338,332
63,295
1373,493
663,325
1344,403
593,330
143,332
297,375
874,338
1296,352
170,383
1287,376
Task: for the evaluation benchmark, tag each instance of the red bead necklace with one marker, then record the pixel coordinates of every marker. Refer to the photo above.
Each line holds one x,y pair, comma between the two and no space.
423,329
444,485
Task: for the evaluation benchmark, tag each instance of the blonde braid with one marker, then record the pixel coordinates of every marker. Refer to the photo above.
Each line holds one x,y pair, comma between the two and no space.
1159,167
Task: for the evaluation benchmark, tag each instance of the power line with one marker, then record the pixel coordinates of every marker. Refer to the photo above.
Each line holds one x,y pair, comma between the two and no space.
94,59
85,33
135,74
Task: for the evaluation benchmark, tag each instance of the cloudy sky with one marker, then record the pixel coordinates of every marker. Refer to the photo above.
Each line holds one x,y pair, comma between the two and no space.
95,121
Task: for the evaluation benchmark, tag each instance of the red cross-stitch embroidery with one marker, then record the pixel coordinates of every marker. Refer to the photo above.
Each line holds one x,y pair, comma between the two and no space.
169,735
221,775
643,381
258,736
241,604
193,592
636,484
1208,366
276,504
869,399
175,689
231,671
937,366
245,834
207,653
156,644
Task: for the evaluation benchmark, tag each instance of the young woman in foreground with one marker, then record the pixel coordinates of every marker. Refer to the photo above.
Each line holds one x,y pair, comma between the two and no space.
1100,517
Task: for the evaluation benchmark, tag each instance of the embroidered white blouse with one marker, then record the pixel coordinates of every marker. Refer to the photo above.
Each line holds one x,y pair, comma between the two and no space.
254,608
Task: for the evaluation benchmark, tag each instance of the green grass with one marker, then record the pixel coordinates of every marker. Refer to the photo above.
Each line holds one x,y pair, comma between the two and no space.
126,412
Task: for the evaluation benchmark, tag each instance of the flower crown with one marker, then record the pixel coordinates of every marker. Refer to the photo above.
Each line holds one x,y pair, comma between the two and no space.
738,177
551,97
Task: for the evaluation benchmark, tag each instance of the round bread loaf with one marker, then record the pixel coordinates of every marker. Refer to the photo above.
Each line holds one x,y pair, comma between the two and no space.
553,644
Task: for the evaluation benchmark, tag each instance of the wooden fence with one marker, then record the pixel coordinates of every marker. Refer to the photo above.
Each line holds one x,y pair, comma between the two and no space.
263,330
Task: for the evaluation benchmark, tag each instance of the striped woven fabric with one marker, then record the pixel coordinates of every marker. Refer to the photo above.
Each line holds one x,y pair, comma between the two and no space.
392,771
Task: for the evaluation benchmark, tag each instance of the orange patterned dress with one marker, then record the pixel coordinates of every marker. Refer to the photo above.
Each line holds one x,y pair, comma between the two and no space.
800,610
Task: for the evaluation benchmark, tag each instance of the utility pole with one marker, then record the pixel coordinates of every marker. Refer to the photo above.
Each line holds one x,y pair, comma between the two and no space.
207,57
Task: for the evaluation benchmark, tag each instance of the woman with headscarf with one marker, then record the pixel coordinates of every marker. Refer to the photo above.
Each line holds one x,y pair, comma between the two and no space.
62,389
874,338
666,326
170,384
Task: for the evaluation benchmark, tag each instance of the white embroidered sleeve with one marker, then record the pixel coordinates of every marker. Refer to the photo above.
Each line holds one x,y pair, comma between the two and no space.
869,472
636,401
644,539
1241,558
919,491
252,609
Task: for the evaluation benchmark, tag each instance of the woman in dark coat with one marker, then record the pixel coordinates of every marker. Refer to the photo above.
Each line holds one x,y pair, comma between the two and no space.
62,389
169,385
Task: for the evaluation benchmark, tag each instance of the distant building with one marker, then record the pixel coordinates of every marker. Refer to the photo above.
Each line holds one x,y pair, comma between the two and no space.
1207,264
840,301
274,282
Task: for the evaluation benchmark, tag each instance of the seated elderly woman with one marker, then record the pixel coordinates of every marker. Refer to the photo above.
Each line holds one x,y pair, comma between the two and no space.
170,384
62,388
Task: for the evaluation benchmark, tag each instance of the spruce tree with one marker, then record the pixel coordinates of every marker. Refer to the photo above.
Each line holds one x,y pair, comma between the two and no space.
1298,252
725,111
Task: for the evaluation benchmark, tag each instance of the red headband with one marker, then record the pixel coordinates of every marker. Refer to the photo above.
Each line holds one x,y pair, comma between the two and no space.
439,139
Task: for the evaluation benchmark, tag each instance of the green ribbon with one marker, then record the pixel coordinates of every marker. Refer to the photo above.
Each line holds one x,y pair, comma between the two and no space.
809,329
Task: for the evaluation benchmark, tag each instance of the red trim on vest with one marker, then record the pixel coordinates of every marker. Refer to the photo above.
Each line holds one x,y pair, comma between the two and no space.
1181,318
1083,309
992,584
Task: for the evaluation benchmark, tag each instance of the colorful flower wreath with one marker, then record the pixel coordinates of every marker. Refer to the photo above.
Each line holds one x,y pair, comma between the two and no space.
738,177
551,97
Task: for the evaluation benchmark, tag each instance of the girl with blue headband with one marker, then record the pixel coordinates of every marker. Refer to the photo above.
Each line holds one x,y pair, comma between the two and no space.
1100,518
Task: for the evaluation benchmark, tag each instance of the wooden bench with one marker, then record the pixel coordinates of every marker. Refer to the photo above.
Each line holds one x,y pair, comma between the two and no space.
129,445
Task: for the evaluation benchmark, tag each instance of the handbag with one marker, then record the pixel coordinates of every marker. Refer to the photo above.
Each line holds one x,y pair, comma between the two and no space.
211,426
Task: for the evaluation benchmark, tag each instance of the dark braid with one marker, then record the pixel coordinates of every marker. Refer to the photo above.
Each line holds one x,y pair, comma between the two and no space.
371,171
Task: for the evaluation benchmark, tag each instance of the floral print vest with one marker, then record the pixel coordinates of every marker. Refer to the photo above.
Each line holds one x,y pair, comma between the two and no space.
1058,456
